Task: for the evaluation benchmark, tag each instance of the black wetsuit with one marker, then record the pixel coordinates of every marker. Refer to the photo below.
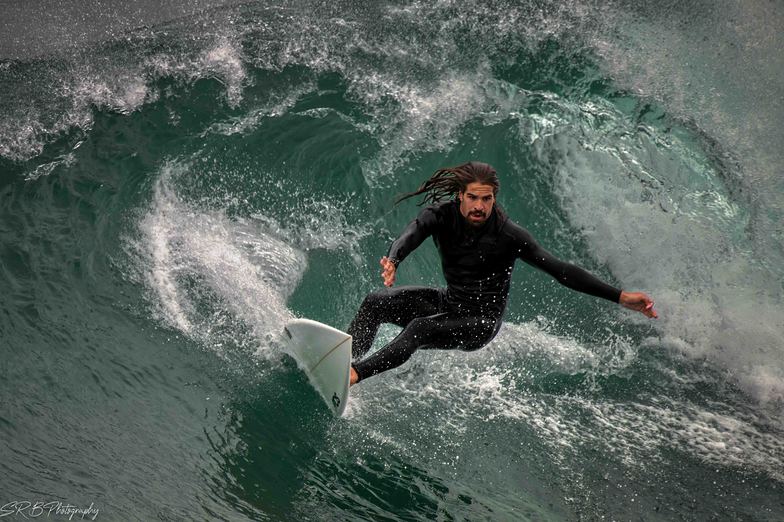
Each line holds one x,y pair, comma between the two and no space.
477,264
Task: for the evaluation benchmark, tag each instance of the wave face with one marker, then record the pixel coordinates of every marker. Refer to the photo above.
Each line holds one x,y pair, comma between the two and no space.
178,183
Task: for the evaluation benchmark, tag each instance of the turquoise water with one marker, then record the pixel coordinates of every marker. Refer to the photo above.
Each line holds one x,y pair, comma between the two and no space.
175,185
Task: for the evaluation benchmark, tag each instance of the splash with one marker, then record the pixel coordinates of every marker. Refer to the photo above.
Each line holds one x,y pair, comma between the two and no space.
494,384
62,98
656,211
203,265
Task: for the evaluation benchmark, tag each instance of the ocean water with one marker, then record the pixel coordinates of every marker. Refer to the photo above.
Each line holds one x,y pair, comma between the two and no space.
177,183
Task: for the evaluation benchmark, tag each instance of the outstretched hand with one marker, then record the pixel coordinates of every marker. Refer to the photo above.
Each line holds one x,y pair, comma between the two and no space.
639,302
387,271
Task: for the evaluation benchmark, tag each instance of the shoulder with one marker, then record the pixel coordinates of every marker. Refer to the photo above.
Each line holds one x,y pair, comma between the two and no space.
515,232
437,213
445,207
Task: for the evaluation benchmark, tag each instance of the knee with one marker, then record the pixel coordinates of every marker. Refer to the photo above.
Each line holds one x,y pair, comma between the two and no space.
418,329
483,332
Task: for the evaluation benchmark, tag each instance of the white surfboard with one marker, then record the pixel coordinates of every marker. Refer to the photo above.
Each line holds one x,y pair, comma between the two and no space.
324,354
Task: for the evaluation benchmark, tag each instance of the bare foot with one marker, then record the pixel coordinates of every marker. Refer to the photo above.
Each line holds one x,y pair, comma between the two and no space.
352,380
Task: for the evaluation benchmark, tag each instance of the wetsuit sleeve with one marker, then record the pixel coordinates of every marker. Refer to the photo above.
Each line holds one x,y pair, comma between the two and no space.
567,274
413,235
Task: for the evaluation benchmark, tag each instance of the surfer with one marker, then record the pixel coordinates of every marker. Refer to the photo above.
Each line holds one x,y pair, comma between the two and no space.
478,245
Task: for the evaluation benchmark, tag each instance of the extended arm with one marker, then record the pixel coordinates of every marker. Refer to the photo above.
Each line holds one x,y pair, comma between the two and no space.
570,275
581,280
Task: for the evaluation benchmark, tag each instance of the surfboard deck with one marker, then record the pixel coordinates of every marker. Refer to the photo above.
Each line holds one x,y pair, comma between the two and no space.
324,354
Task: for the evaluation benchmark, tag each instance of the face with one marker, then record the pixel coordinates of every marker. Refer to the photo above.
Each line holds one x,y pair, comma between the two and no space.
476,203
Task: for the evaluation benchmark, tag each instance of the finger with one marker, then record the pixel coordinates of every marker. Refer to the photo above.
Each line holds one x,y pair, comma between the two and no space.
649,310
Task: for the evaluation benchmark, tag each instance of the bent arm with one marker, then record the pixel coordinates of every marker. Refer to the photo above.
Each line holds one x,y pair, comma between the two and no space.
413,235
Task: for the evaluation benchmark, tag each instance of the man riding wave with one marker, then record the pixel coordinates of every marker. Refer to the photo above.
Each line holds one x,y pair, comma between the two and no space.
478,245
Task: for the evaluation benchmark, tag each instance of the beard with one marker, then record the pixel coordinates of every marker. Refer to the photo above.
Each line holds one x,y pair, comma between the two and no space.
476,219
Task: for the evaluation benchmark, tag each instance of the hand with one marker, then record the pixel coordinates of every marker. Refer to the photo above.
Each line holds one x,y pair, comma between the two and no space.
388,271
638,301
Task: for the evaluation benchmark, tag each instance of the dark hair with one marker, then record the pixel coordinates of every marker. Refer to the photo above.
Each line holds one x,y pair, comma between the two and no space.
450,181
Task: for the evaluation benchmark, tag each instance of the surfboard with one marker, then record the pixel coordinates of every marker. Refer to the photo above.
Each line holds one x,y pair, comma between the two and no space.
324,354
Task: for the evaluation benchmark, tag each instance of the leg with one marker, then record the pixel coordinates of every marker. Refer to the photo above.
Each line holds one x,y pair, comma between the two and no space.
398,306
443,331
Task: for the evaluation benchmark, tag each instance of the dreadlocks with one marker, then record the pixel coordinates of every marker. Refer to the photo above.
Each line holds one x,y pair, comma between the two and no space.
450,181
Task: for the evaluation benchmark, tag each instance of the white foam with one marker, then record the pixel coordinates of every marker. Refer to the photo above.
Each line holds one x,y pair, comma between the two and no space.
323,112
123,93
249,121
661,220
20,137
65,160
426,120
318,224
723,288
123,87
225,62
485,386
221,60
529,340
250,272
24,135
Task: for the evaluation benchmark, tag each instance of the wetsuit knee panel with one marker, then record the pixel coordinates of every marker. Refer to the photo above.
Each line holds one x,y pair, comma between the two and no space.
421,325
